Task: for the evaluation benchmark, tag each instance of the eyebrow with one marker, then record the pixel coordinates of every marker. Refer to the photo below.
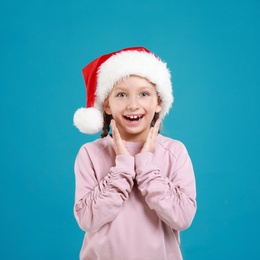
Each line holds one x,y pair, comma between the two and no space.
117,88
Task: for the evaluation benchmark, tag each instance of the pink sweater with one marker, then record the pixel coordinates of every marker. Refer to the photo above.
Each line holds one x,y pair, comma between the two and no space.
133,206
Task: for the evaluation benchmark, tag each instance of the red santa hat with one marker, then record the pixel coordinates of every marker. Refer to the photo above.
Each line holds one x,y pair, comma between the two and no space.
104,72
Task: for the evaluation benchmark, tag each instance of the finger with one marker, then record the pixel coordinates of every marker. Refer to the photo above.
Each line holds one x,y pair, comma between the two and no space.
119,143
148,142
113,124
115,131
157,125
155,130
151,133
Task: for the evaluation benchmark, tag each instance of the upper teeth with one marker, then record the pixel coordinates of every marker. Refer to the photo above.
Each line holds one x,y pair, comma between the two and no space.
134,117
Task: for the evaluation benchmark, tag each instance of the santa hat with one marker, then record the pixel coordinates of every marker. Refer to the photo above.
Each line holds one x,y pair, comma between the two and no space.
104,72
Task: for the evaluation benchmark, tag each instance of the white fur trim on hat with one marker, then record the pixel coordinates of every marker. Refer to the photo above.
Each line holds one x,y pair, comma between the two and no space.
137,63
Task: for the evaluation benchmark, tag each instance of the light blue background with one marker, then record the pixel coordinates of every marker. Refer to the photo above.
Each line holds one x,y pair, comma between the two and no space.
212,49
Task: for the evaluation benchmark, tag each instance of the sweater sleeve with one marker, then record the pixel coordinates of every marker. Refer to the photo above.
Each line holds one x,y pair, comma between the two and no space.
98,202
173,199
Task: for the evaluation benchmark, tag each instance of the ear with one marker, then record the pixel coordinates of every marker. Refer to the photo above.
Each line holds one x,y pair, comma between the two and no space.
106,107
159,107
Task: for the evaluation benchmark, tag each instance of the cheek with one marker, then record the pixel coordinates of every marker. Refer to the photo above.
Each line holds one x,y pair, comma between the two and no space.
154,105
115,108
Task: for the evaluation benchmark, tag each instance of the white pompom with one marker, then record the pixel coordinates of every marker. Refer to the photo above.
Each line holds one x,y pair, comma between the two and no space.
88,120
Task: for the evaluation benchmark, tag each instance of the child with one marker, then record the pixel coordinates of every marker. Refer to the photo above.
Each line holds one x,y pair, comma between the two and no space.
135,189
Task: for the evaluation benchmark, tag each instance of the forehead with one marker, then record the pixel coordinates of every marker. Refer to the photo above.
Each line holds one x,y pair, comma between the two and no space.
134,81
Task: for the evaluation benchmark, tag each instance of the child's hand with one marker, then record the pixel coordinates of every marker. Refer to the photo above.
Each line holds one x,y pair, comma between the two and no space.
151,137
119,144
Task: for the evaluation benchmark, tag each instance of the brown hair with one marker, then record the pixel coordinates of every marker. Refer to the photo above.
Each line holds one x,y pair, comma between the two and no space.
107,119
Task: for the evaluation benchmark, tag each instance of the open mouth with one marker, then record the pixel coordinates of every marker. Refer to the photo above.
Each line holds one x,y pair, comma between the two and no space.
133,118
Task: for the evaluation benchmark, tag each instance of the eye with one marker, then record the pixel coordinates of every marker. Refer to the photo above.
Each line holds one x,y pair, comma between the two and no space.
144,94
121,94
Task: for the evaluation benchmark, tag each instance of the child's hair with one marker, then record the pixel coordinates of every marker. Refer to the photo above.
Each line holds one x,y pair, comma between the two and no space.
107,119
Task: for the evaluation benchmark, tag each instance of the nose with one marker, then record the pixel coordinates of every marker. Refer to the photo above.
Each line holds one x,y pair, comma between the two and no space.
132,103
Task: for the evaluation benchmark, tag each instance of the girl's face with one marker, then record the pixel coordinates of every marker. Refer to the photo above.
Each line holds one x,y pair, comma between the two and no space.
132,104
